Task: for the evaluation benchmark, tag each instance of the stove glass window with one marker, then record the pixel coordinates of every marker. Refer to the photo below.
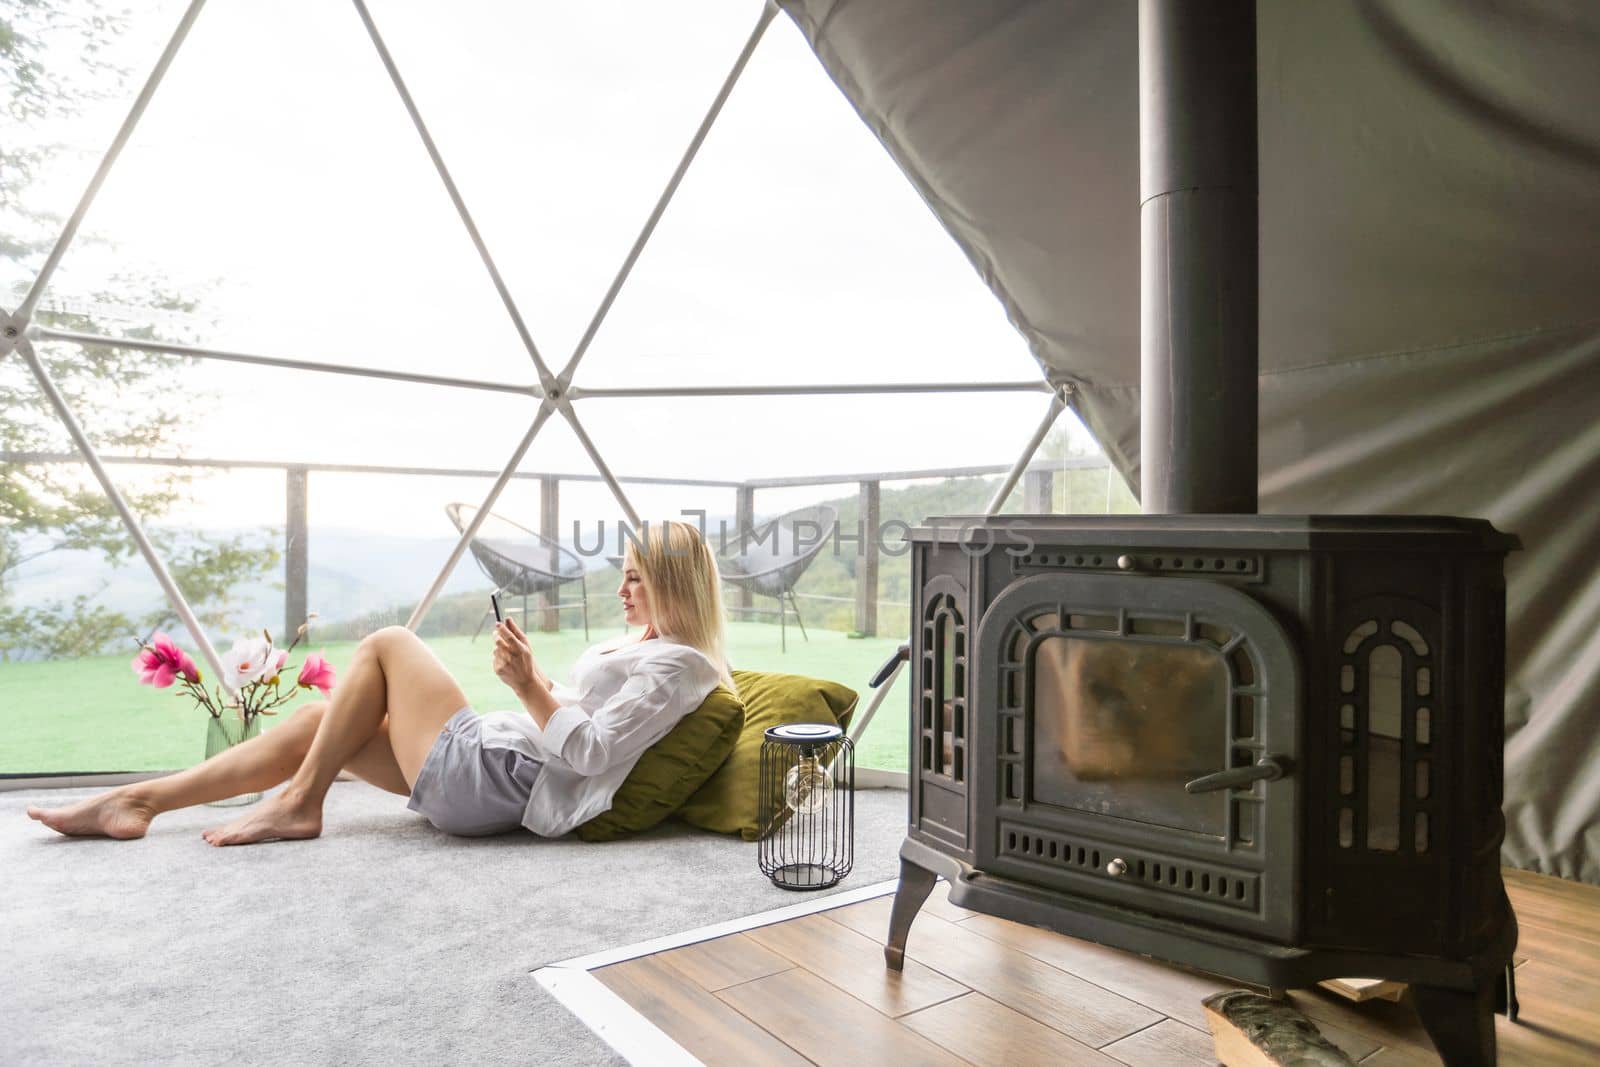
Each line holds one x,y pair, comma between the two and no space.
1384,712
1119,726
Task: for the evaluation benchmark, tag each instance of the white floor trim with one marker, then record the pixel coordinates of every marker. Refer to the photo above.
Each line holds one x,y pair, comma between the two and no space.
23,782
76,781
634,1037
866,778
612,1019
732,926
872,778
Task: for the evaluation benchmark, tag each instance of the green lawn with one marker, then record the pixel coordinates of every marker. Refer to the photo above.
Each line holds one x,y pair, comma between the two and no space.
92,715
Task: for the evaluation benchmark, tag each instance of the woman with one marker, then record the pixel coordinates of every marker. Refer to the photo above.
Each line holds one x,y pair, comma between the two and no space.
400,721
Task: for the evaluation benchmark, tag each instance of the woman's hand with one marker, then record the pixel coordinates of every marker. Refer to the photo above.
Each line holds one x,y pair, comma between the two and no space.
513,659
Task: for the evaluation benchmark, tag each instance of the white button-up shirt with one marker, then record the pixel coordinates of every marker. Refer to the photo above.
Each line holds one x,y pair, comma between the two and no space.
623,699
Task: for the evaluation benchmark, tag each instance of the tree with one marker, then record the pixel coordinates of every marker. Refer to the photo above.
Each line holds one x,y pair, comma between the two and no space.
124,399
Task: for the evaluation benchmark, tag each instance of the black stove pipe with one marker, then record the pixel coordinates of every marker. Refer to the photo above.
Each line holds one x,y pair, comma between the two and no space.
1198,259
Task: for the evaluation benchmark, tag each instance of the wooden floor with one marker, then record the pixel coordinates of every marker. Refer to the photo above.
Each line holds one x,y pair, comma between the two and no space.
986,991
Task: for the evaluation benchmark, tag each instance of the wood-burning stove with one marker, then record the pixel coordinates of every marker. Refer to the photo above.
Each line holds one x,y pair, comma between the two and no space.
1264,746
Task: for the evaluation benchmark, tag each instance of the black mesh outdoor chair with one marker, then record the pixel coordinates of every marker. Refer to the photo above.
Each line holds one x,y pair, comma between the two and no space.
522,564
772,559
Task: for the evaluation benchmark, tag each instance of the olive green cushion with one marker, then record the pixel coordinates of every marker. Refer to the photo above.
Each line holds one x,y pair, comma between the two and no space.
727,802
671,769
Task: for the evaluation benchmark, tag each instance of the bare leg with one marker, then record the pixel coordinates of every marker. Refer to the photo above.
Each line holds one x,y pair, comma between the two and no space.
262,762
256,765
393,673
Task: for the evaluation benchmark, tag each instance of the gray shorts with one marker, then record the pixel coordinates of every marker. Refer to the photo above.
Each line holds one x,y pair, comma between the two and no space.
469,790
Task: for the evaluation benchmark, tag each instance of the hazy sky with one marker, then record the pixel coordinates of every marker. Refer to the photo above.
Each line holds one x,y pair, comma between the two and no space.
277,173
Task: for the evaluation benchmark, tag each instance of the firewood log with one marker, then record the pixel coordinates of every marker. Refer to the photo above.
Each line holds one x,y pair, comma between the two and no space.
1251,1030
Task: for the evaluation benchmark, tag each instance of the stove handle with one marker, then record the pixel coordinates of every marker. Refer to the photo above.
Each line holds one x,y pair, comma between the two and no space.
1266,769
901,654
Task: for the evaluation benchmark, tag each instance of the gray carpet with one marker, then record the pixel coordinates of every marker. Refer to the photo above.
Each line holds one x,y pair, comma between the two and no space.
382,942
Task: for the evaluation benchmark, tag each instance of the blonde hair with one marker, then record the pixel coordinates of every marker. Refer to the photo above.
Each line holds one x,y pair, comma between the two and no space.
680,576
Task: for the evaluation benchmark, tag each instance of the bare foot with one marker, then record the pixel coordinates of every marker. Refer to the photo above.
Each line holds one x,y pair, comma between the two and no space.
115,814
278,818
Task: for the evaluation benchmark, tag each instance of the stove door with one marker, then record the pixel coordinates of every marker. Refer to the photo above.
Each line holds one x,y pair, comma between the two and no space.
1136,741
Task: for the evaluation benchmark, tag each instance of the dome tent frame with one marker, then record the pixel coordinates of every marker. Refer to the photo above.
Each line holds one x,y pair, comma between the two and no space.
554,391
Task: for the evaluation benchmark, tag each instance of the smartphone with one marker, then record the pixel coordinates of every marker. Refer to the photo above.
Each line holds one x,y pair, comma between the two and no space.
494,598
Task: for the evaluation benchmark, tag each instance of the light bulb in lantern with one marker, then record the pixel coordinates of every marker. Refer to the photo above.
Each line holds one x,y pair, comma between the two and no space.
808,787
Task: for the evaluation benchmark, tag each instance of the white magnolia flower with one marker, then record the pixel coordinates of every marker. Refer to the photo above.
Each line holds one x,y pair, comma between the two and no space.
249,660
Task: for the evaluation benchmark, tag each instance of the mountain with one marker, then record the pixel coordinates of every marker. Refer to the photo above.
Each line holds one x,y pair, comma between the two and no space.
360,574
351,574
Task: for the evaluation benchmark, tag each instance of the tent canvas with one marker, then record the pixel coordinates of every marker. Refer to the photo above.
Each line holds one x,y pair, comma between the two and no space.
1430,279
1430,324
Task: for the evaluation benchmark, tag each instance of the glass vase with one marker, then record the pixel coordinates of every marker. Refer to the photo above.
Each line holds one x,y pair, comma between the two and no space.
222,734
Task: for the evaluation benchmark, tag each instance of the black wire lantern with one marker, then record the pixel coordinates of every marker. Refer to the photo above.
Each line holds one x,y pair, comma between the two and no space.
807,806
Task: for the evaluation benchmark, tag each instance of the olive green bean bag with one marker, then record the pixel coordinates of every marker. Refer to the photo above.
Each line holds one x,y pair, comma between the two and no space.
727,801
671,769
706,768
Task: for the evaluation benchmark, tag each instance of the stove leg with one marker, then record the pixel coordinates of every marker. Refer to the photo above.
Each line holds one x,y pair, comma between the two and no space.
1505,995
915,885
1460,1021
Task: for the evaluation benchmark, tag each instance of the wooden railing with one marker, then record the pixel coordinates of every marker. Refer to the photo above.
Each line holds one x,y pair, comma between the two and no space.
1037,487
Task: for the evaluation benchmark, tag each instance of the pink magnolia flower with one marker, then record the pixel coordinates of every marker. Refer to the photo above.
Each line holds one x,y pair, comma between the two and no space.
278,661
186,666
318,672
160,663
